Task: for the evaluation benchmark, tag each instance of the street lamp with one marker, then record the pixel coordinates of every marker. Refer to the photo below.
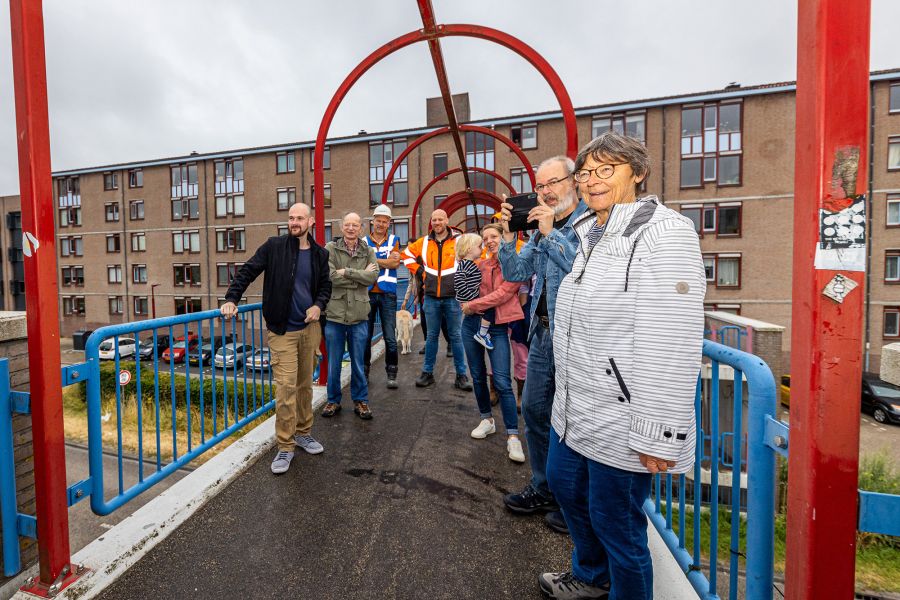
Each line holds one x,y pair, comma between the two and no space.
153,287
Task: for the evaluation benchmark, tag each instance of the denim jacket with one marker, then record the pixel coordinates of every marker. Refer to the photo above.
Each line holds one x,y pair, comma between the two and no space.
549,257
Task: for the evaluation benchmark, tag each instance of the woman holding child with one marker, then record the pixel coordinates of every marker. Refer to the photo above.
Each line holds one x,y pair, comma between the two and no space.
485,327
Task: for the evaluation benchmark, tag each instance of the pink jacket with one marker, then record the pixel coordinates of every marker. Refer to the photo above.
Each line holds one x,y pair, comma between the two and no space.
497,293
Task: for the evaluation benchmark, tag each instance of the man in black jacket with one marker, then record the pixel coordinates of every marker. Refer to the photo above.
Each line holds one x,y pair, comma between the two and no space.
297,263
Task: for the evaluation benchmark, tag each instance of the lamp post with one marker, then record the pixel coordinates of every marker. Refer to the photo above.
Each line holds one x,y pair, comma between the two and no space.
153,287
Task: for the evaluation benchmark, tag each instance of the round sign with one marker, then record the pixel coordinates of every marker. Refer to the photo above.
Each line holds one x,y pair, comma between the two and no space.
124,377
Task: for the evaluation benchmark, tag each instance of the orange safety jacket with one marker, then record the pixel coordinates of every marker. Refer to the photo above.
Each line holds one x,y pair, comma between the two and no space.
438,259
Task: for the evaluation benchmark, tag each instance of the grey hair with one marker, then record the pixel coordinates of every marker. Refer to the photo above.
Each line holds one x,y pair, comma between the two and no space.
620,148
559,158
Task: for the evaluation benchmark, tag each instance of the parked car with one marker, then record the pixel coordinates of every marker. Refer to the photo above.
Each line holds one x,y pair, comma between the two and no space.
260,360
162,344
785,392
232,355
177,352
108,348
881,399
207,351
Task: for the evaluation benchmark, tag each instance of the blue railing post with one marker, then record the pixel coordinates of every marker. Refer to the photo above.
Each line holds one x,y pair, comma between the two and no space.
12,562
95,433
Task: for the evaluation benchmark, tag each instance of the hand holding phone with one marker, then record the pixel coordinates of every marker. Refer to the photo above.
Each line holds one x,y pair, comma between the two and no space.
521,206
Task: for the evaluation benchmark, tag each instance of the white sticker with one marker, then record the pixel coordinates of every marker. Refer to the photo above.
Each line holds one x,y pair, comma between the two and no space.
29,243
838,288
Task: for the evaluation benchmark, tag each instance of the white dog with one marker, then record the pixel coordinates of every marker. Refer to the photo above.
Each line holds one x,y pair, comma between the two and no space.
405,320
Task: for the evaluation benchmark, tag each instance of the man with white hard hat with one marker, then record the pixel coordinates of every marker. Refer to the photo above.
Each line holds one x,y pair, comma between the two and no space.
383,294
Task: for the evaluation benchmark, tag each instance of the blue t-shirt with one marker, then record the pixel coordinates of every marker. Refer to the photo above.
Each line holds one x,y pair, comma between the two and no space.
301,299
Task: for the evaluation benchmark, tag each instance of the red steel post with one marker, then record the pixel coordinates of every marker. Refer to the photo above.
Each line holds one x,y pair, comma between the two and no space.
41,292
826,342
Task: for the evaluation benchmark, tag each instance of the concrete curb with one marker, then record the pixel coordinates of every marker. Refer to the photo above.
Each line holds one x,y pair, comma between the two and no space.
110,555
669,581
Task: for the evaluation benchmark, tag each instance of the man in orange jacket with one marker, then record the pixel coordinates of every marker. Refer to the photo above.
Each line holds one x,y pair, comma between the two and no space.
435,253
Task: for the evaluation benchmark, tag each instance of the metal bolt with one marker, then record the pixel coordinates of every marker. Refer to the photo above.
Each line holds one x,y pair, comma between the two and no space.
781,441
75,374
79,494
29,581
80,568
53,590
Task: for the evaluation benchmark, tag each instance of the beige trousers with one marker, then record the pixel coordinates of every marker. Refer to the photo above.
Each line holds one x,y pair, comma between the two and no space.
293,359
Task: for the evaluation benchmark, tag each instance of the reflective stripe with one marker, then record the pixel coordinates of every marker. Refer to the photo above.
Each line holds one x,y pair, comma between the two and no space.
387,278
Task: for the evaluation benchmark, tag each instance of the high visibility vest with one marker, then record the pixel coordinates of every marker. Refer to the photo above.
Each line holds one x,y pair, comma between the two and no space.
387,278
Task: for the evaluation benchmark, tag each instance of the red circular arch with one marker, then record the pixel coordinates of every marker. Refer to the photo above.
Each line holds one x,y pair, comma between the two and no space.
428,186
477,31
461,199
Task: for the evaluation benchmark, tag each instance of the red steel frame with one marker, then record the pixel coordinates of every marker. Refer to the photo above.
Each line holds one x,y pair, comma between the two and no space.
448,207
41,294
826,341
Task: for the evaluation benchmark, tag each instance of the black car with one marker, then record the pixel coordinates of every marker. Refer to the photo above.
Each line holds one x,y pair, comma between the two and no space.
881,399
162,344
208,349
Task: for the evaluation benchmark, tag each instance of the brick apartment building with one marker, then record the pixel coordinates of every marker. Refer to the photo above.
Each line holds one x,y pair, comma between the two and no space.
171,232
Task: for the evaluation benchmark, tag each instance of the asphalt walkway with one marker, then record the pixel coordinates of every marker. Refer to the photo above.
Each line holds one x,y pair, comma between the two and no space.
404,506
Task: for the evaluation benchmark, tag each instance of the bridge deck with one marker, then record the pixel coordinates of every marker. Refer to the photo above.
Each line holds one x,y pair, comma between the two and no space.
404,506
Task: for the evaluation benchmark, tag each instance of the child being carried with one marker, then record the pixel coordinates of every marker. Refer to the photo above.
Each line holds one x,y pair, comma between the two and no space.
467,282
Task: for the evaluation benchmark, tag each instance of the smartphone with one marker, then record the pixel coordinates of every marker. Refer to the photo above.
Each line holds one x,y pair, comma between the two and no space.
521,206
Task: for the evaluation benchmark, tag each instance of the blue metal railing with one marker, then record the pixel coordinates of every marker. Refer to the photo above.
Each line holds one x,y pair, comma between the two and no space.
760,477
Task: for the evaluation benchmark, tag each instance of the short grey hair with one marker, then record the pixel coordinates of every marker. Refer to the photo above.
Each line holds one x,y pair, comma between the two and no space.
620,148
559,158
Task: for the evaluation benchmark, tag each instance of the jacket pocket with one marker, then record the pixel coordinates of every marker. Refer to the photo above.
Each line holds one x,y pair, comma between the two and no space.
624,388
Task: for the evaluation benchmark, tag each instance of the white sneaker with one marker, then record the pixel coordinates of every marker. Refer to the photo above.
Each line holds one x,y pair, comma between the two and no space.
484,429
514,448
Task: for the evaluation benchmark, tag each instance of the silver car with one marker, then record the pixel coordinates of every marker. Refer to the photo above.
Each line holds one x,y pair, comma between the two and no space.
108,348
232,355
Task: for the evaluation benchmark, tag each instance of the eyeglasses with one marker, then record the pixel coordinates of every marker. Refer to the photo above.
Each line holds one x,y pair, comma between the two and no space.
541,187
602,172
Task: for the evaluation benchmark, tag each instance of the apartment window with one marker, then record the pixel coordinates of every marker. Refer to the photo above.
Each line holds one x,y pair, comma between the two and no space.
73,276
724,219
524,136
327,196
186,274
111,210
184,181
895,97
892,321
185,241
71,246
136,178
729,218
113,243
229,176
139,273
381,159
187,305
400,228
286,197
110,181
892,266
328,236
711,145
229,239
894,153
225,273
728,270
68,191
141,305
734,309
893,210
232,204
136,210
438,200
326,158
632,125
73,305
114,273
480,153
70,216
520,180
709,265
284,162
185,208
138,242
116,305
282,230
440,164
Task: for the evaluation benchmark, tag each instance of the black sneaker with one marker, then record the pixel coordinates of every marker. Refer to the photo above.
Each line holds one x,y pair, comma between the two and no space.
392,381
425,379
564,586
462,383
556,522
422,351
529,501
449,352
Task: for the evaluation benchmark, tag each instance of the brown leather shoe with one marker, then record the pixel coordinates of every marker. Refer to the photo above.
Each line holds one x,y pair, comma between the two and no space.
362,411
331,409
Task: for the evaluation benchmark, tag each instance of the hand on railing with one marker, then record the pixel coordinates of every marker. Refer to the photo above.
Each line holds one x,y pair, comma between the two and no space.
655,465
229,310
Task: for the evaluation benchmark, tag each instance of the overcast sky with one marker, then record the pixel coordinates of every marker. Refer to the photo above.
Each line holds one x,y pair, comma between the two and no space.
135,81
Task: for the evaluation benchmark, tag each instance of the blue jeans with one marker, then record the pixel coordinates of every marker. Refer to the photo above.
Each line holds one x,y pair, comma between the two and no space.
438,310
537,405
337,337
603,507
384,306
500,360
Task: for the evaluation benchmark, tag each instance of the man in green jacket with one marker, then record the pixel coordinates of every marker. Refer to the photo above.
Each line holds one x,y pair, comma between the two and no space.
353,269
